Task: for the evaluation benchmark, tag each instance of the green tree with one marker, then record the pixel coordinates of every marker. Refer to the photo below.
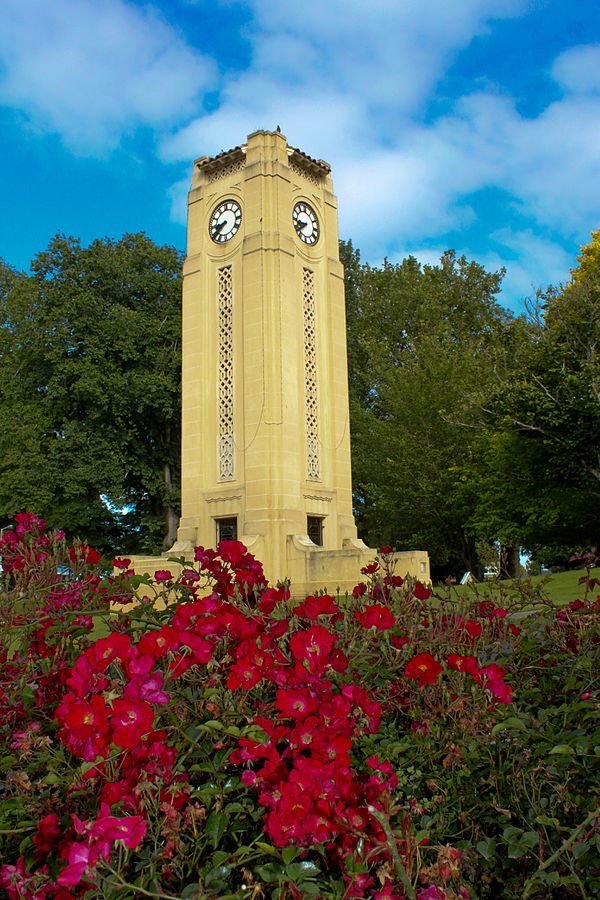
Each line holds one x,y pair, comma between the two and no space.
89,400
538,478
424,344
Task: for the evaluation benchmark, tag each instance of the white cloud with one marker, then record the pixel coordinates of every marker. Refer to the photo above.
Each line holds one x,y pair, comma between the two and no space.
532,262
578,69
353,72
178,196
422,186
91,70
549,164
347,80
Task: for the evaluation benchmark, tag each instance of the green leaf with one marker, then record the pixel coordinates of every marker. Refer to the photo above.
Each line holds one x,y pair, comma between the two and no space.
25,844
266,848
299,871
232,730
215,827
234,807
311,889
548,877
564,749
289,854
486,848
213,725
215,877
8,761
579,849
547,820
243,850
508,724
270,872
530,839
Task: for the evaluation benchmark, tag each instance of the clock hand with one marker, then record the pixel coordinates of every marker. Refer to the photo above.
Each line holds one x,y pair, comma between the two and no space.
219,225
302,224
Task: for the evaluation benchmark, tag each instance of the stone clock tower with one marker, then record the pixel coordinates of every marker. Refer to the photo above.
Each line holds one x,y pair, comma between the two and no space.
265,423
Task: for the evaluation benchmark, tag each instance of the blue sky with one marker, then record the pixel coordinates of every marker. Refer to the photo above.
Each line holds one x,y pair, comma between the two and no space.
470,124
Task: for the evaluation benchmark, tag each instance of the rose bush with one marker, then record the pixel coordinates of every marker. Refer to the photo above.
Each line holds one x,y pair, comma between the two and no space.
237,742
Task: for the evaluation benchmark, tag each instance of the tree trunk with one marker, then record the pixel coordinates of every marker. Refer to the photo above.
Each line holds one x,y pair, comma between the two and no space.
509,562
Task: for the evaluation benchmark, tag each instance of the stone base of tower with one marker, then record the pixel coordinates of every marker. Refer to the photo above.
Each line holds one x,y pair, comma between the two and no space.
309,568
315,569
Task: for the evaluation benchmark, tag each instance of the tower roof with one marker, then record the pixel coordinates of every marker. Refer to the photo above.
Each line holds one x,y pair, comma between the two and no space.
225,157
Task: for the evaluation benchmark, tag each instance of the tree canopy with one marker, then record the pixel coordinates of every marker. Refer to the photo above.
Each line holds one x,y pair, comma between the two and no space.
89,399
538,478
425,343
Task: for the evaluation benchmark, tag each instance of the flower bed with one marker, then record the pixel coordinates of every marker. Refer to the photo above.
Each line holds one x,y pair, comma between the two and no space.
388,744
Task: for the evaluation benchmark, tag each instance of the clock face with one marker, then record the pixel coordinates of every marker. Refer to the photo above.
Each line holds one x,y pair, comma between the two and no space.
306,223
225,221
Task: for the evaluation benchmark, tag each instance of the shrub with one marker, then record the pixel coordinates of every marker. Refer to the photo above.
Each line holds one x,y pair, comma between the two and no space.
240,743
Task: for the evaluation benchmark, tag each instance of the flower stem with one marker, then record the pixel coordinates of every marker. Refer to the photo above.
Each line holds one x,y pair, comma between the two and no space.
400,869
566,845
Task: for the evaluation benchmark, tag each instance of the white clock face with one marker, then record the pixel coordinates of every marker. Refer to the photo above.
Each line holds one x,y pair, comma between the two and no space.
306,223
225,221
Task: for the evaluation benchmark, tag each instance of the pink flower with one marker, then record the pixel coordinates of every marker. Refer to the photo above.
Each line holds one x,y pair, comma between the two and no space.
431,893
386,893
78,857
147,688
162,575
492,677
130,830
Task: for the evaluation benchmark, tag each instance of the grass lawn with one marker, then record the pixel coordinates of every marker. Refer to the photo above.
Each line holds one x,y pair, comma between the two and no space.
559,589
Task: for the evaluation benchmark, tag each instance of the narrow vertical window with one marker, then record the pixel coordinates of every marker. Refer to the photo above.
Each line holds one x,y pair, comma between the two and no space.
226,529
310,377
225,388
314,529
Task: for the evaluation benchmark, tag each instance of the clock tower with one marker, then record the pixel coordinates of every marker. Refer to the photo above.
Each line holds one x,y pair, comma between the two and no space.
265,421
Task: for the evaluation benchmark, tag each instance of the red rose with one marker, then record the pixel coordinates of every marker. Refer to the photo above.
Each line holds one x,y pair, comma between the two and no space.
424,668
379,617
